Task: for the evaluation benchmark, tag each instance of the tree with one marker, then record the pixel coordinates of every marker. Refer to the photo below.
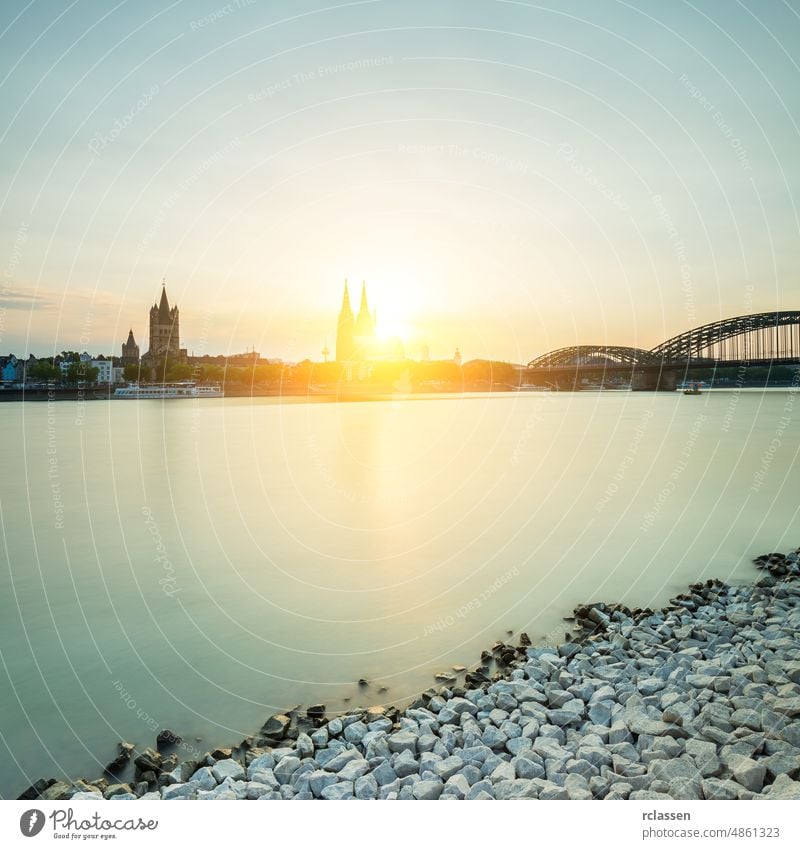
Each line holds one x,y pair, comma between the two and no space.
179,371
131,372
43,370
79,373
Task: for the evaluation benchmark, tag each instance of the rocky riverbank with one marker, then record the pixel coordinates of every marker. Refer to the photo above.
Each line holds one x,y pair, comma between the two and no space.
699,700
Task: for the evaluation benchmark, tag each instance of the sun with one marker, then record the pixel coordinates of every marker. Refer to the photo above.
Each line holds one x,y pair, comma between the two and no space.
391,328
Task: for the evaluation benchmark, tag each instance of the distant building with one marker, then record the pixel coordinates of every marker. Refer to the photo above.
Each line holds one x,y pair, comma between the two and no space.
9,369
165,345
355,335
105,370
164,330
130,351
457,357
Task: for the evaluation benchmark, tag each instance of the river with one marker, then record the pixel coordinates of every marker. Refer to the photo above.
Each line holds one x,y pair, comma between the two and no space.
199,565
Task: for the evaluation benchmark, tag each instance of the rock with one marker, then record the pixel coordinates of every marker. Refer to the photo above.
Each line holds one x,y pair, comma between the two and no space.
319,779
342,790
276,726
747,772
405,765
148,761
228,768
56,791
316,713
650,686
117,789
203,779
504,771
448,767
286,768
304,745
577,787
180,791
366,787
784,788
166,738
123,756
402,741
640,723
720,789
428,789
353,770
461,705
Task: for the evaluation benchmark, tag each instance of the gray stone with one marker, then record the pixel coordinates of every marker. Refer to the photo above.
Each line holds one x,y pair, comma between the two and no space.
286,768
304,745
783,788
577,787
366,787
384,774
428,789
403,741
353,769
504,771
448,767
228,768
354,733
179,791
341,790
747,772
717,788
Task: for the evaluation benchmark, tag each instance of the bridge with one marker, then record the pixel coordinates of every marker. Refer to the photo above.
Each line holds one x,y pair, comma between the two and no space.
767,338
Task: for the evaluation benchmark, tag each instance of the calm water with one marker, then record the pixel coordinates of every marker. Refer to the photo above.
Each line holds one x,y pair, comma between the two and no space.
198,565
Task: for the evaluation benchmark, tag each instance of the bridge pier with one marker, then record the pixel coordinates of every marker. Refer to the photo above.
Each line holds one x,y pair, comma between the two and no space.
655,381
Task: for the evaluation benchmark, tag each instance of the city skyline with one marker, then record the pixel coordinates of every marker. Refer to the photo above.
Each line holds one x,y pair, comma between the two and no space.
538,178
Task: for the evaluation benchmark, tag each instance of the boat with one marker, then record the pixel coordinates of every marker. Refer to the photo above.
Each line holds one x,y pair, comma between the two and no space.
180,389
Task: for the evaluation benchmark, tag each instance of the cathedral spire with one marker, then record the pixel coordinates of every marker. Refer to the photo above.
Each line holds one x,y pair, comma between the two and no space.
346,308
364,307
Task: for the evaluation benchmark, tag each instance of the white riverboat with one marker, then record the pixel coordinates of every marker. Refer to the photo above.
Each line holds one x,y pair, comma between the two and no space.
180,389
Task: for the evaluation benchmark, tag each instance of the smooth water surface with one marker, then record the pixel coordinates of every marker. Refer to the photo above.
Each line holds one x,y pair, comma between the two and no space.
200,564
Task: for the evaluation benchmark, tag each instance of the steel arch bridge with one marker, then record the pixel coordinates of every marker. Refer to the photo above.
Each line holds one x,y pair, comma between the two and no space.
595,355
760,337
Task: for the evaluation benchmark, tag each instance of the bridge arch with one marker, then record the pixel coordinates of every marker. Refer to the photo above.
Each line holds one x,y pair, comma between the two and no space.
595,355
760,336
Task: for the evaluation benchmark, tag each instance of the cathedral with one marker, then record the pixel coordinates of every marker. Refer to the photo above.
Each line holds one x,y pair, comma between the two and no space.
355,334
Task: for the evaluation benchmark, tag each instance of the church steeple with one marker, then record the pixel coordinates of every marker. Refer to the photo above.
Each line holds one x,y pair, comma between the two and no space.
346,308
345,329
365,326
163,307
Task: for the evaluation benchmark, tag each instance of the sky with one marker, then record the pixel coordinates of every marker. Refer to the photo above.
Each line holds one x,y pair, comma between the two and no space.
508,177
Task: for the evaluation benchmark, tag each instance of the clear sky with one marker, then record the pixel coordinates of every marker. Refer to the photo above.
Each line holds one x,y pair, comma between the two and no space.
508,177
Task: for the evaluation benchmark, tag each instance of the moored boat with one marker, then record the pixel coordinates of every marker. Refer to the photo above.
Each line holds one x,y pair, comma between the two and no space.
179,389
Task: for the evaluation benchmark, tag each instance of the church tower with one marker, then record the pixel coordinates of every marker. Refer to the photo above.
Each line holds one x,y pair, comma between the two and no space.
345,330
130,351
164,330
365,324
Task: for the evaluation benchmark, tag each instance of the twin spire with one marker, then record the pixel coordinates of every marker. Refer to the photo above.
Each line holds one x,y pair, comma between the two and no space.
354,334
